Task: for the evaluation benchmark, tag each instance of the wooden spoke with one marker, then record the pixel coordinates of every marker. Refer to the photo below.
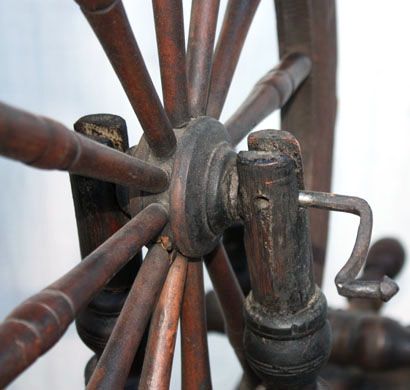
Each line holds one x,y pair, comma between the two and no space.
110,24
238,18
156,371
114,364
231,298
194,345
204,15
269,94
169,26
38,323
44,143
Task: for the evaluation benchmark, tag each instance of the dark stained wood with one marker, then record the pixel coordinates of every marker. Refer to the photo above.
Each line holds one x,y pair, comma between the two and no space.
234,245
348,378
96,5
44,143
309,27
202,27
231,299
113,366
237,20
269,94
194,345
287,337
267,186
111,26
368,341
169,26
279,140
156,372
215,320
39,322
99,216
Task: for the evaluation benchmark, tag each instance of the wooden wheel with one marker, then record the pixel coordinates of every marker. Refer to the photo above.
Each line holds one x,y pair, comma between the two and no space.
175,192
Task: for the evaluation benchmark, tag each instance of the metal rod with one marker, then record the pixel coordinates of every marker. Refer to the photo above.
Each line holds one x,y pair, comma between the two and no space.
194,344
156,371
39,322
169,27
386,257
346,282
238,18
202,27
270,93
112,28
44,143
115,362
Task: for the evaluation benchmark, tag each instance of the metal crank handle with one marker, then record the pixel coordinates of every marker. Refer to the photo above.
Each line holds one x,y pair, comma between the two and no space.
346,282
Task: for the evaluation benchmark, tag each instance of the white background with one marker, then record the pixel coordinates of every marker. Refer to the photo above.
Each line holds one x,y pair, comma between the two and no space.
51,64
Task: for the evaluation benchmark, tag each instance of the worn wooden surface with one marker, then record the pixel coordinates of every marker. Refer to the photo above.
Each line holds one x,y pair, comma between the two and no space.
98,217
53,146
287,337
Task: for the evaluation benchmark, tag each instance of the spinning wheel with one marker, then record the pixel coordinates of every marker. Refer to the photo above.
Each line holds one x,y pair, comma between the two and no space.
179,189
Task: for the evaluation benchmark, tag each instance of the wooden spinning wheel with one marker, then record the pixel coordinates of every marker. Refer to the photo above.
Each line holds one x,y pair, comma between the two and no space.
177,192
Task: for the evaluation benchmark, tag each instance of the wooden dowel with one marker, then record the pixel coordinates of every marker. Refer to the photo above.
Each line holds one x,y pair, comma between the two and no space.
270,93
194,344
202,27
115,362
156,371
169,27
112,28
238,18
39,322
231,299
44,143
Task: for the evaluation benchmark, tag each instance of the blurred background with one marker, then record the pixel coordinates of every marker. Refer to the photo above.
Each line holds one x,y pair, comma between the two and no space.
51,64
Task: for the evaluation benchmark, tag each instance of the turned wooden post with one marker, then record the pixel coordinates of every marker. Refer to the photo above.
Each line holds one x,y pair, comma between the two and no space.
287,336
98,217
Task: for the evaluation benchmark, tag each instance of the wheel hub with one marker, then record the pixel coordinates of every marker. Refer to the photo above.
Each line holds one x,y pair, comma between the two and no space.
203,188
